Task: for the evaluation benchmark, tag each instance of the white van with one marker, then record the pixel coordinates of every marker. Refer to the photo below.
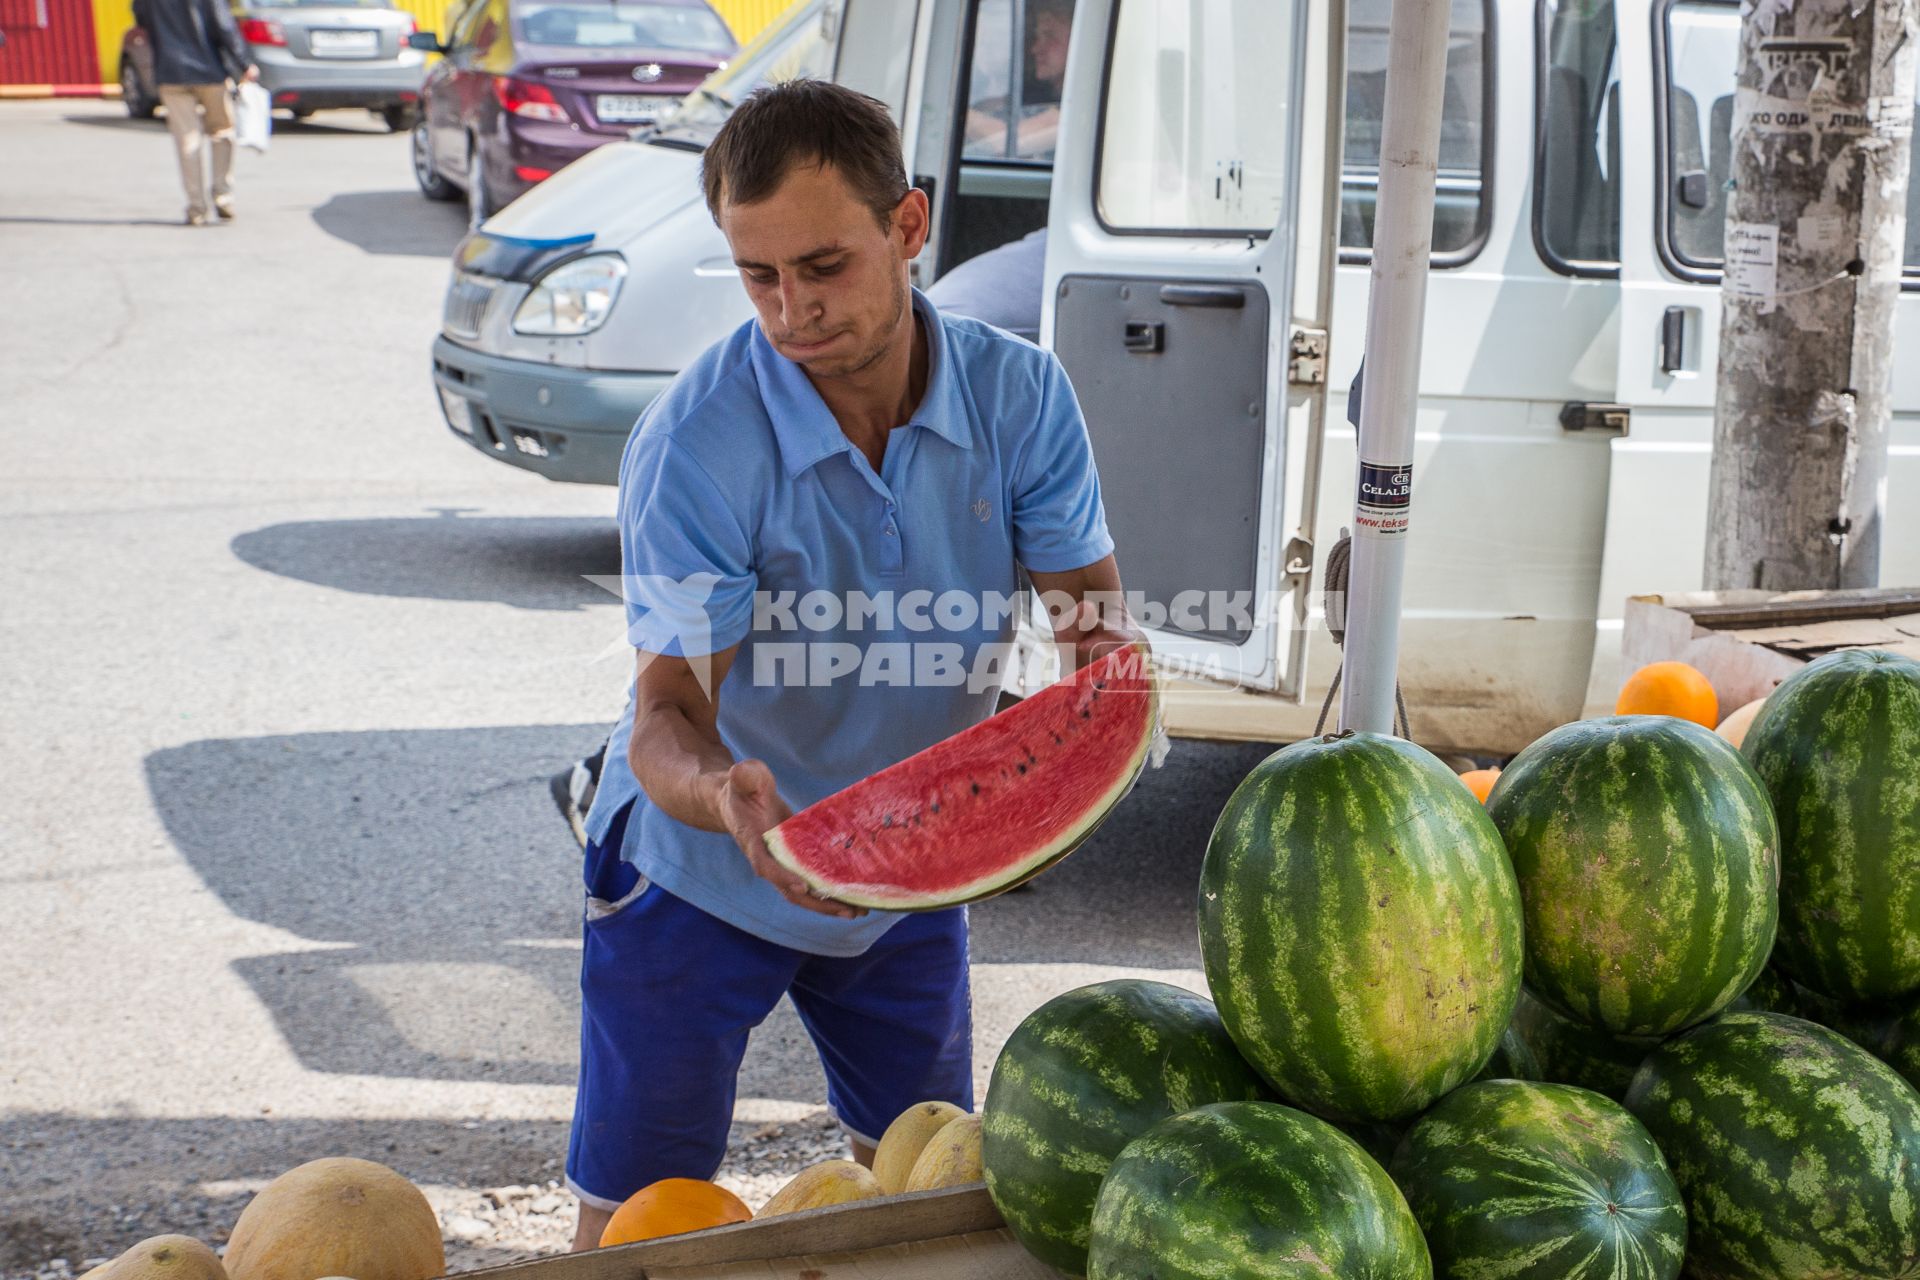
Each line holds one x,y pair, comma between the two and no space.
1208,199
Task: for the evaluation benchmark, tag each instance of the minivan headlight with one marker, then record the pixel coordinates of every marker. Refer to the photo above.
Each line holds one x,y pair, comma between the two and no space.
574,298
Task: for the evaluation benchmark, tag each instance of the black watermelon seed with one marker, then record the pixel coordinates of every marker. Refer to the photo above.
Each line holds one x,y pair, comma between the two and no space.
1022,768
976,788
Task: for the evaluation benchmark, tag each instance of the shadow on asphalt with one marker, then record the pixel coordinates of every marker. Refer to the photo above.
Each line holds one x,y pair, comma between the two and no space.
195,1175
151,124
394,222
525,562
441,894
94,222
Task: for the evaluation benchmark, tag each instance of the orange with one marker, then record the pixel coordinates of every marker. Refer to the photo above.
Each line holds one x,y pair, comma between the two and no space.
1669,689
671,1206
1480,782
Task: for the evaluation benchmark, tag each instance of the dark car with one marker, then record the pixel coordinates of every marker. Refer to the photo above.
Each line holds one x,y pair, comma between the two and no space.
312,54
528,85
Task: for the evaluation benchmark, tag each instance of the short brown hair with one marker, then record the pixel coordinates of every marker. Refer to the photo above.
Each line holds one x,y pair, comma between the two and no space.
806,122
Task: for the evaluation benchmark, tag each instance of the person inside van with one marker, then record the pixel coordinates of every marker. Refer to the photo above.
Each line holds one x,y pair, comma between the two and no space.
1028,128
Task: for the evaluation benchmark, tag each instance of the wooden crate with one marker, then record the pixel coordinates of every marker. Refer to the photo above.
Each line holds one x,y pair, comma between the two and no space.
933,1235
1746,642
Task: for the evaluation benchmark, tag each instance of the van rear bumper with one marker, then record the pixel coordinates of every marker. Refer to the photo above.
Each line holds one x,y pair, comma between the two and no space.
565,424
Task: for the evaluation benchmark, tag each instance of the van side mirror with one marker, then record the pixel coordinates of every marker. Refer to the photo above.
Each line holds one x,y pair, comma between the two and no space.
425,42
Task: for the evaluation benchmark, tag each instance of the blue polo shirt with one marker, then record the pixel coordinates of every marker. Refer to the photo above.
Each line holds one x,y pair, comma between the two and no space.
873,611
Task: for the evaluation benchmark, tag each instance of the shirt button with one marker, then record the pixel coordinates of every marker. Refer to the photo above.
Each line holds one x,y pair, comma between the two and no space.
889,531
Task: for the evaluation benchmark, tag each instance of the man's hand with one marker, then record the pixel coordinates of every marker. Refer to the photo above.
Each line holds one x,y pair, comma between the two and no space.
751,806
253,73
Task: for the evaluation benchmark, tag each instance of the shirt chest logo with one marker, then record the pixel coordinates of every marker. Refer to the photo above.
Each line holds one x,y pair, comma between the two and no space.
981,510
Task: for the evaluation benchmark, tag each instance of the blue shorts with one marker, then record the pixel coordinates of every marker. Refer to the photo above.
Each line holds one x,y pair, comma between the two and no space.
669,993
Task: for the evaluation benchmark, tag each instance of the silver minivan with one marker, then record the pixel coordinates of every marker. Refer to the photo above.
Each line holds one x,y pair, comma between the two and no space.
1208,202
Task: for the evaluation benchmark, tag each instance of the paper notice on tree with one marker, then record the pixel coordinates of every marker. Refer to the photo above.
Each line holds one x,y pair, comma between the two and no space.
1753,262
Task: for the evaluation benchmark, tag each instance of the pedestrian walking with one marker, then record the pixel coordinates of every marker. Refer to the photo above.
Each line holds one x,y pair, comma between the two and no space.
197,53
853,440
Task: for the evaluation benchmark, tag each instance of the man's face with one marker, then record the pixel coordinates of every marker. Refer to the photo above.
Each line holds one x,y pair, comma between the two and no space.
829,282
1049,48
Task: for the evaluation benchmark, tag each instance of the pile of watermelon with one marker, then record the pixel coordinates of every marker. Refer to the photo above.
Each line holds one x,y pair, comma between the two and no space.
1654,1008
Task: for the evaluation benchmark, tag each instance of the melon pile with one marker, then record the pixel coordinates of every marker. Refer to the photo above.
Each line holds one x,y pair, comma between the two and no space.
338,1218
1652,1008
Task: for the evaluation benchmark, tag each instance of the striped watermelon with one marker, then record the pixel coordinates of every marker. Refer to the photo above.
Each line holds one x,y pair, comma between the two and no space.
1648,861
1838,747
1531,1181
1798,1152
1890,1032
1569,1052
1083,1075
1251,1189
1360,926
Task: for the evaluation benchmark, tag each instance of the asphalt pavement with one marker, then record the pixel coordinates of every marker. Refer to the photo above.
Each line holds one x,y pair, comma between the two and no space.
287,669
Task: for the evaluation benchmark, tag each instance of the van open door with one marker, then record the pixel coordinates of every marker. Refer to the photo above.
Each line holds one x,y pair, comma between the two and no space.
1187,294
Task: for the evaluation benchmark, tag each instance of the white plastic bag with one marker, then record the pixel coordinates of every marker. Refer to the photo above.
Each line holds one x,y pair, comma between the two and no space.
252,116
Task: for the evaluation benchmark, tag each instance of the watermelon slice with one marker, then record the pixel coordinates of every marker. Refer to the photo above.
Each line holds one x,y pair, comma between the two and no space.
989,807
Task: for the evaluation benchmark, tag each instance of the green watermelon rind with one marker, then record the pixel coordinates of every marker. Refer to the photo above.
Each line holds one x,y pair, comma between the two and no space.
1251,1189
1360,927
1009,875
1648,862
1083,1075
1797,1151
1837,746
1532,1181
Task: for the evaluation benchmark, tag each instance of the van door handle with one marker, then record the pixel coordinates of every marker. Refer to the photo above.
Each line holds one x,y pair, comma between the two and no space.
1673,340
1203,295
1144,337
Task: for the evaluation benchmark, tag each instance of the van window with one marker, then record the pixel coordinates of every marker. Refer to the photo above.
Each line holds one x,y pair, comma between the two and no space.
1576,172
1019,59
1195,128
1702,59
1460,195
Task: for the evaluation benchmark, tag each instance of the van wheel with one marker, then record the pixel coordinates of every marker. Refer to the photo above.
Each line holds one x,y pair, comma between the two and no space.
138,105
432,185
399,117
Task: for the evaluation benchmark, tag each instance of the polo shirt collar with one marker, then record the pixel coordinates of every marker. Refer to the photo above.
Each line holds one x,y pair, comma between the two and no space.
806,430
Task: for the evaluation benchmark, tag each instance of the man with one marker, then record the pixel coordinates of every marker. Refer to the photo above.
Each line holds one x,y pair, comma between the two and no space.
197,49
849,440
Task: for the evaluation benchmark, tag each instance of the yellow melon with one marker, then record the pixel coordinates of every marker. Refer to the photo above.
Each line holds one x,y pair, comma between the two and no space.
951,1159
337,1217
906,1138
164,1258
1734,727
816,1187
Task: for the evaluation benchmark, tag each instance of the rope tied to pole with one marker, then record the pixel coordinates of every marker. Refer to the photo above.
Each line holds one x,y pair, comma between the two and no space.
1333,606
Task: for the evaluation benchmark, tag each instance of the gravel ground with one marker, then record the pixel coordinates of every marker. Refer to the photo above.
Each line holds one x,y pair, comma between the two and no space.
481,1227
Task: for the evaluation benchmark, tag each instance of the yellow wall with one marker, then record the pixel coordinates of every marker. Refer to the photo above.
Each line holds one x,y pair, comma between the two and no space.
111,18
746,17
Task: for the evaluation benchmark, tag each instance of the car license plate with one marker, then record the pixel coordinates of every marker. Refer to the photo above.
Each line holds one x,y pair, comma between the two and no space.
459,412
633,108
343,44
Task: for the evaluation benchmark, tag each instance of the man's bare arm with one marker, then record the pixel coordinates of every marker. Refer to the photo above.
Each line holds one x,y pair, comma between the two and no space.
678,757
1095,626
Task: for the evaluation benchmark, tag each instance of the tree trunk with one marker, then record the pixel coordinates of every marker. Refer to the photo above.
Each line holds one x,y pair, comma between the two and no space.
1823,117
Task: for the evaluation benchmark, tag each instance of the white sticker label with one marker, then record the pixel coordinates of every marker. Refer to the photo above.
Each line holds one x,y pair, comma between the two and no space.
1822,231
1753,262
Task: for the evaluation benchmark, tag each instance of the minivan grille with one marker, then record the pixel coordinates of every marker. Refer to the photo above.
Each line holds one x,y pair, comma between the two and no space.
467,303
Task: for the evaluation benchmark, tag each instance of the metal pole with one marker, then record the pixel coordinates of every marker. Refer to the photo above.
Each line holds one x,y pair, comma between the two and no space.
1396,307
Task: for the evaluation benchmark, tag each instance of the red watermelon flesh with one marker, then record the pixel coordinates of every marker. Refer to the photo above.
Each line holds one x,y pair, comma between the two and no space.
987,808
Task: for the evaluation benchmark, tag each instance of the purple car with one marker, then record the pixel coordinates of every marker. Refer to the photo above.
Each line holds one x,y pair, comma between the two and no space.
528,85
